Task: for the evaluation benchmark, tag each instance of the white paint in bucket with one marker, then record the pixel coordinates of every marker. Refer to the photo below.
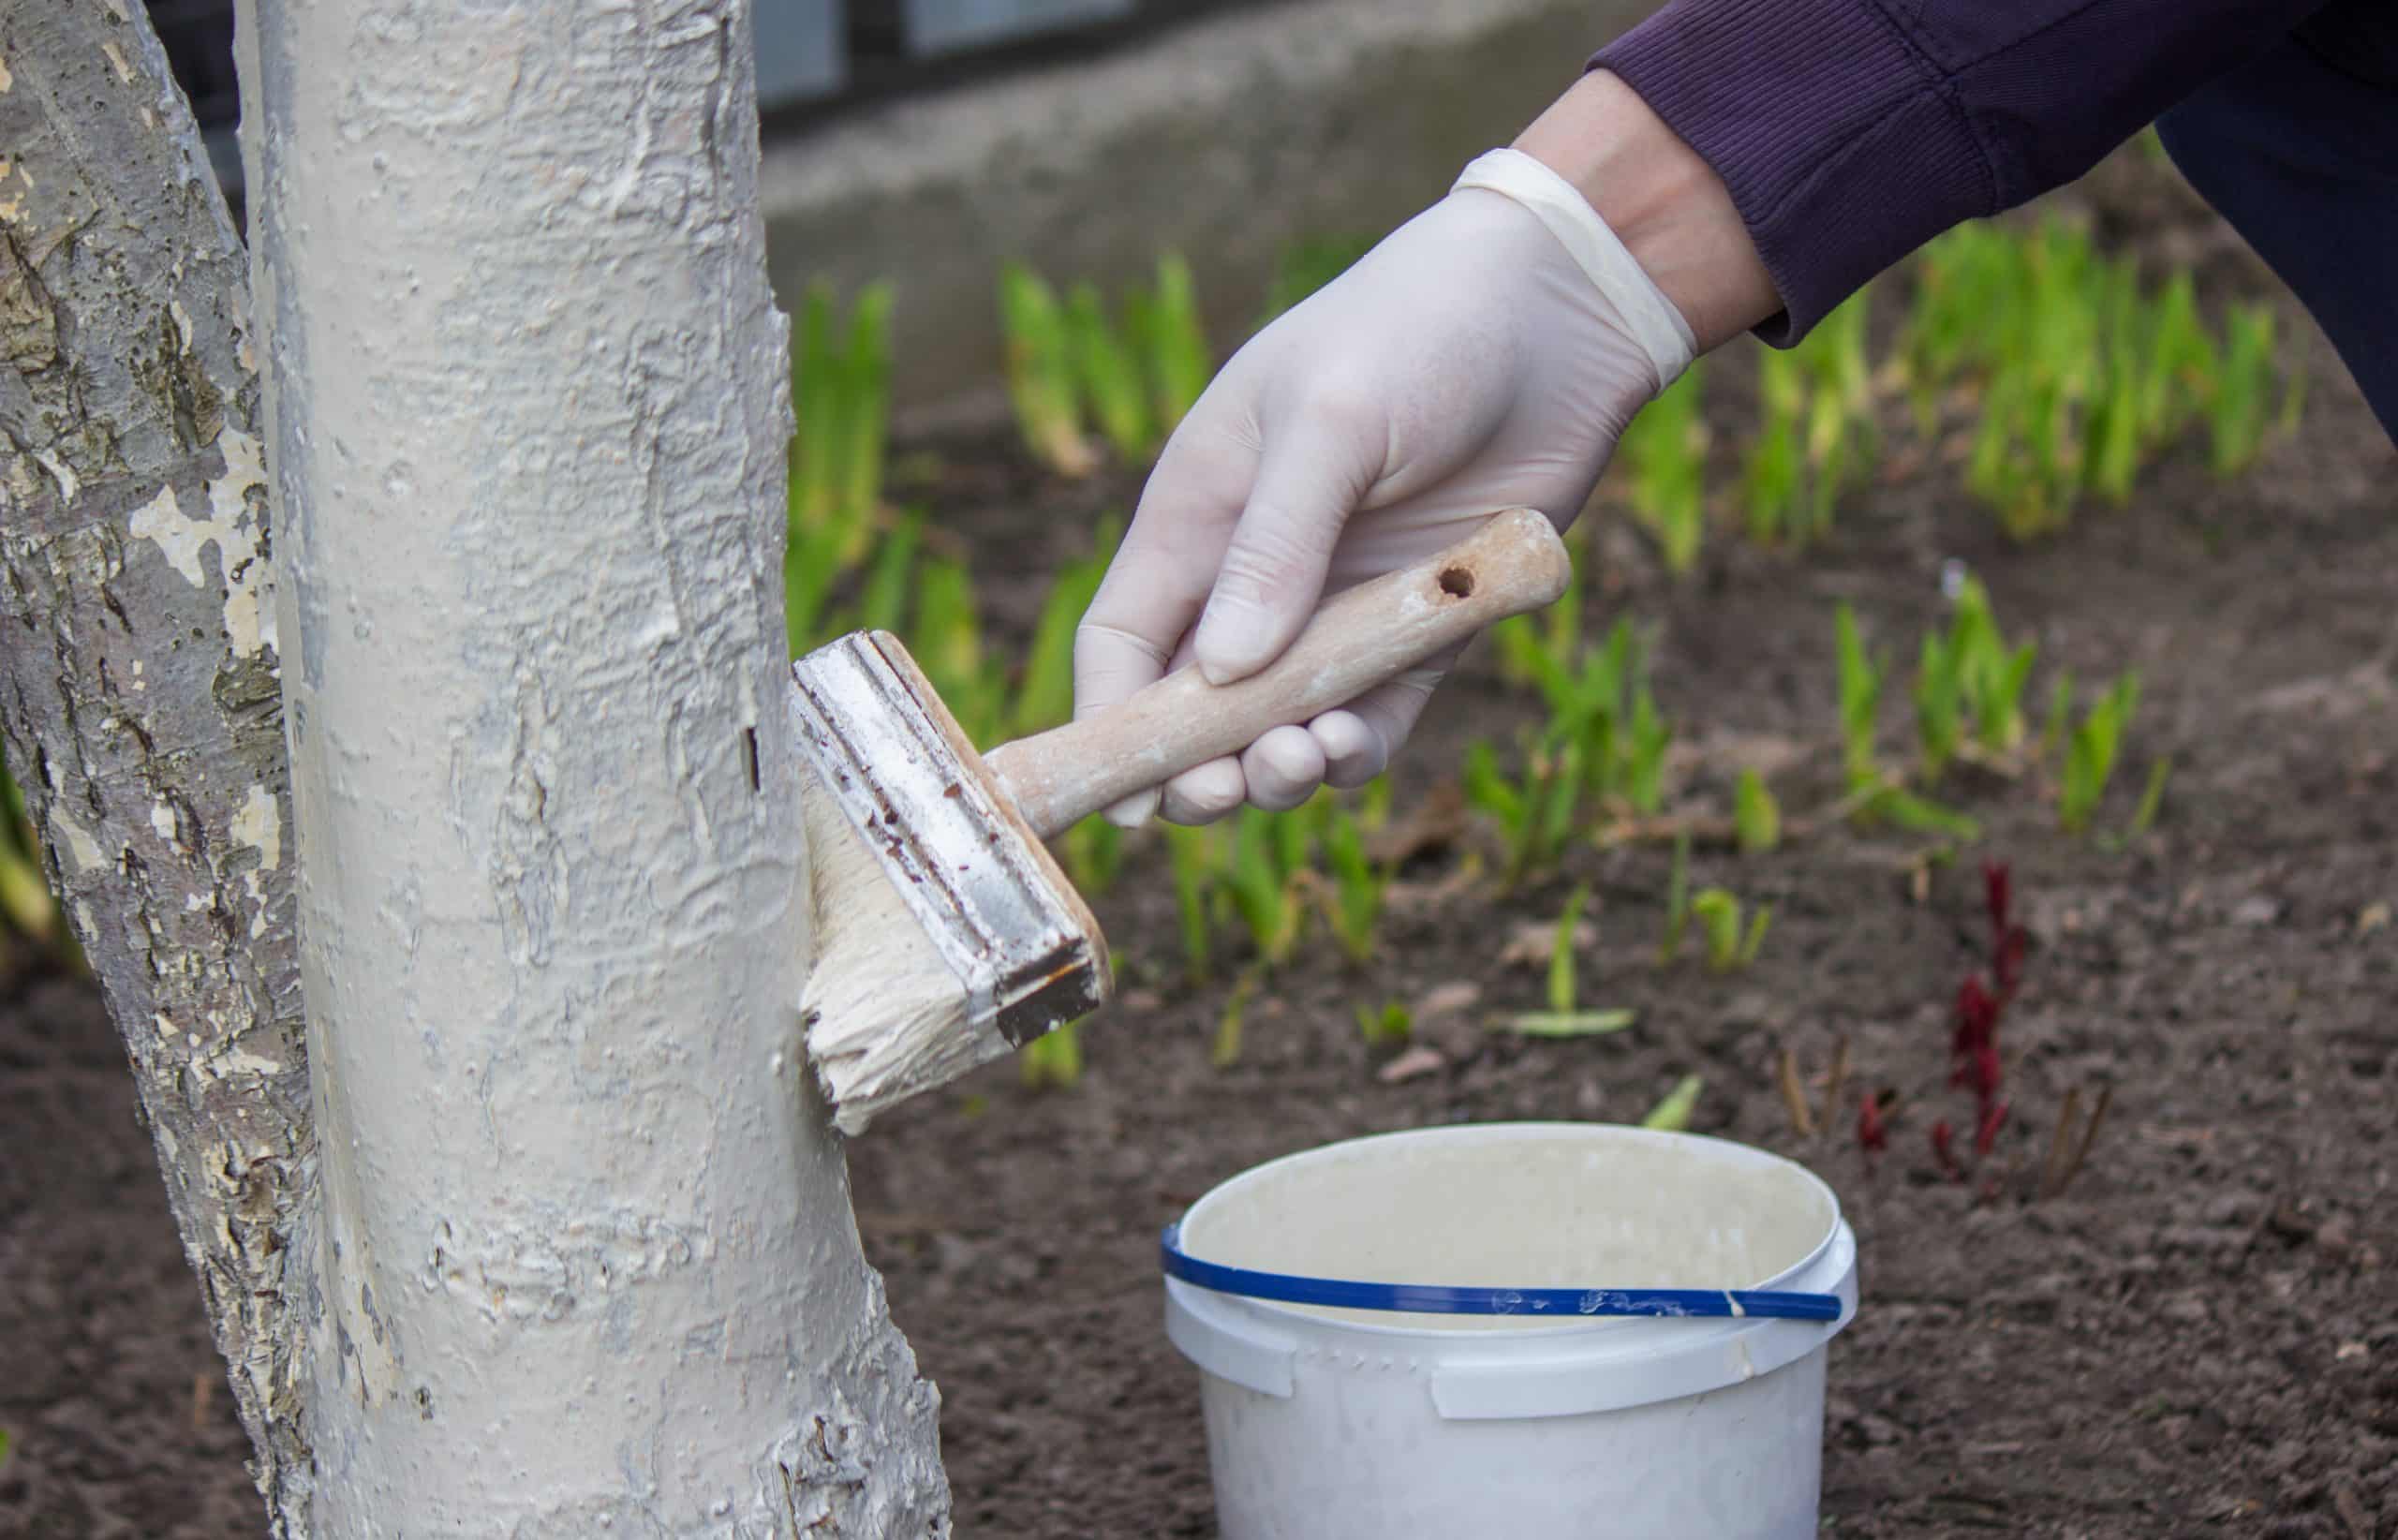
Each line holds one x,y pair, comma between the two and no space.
1334,1424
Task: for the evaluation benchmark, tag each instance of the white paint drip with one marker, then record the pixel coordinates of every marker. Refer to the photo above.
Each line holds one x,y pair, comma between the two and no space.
162,821
233,528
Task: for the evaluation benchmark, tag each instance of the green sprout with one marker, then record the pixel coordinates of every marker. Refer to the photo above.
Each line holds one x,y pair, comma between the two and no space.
1392,1024
1664,448
1055,1058
1757,818
1353,905
1729,944
1970,678
1042,373
1534,814
1172,338
1677,900
1190,855
1561,963
1226,1051
840,403
2152,796
2237,412
2090,753
1860,701
1565,1016
1672,1115
1110,377
1261,889
1773,480
1602,716
2060,717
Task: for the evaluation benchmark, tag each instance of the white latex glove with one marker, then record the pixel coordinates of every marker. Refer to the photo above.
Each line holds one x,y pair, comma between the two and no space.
1486,355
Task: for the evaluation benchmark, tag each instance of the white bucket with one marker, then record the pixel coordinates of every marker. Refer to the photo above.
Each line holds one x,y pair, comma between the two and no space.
1335,1424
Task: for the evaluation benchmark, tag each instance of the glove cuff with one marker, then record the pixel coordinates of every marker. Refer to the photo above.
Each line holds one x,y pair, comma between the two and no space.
1646,313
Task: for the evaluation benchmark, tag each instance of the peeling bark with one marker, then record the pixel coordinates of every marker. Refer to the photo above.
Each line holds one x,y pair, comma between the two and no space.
585,1255
139,687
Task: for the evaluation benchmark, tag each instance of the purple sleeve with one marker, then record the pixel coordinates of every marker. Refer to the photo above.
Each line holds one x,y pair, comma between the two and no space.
1852,131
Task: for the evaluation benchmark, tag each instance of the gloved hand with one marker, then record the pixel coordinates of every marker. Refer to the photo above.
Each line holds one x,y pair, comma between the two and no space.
1486,355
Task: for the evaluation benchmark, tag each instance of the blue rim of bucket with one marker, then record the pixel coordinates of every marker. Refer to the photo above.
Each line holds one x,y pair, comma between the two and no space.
1443,1299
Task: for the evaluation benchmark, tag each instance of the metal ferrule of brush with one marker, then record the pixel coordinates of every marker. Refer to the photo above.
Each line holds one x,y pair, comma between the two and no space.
984,888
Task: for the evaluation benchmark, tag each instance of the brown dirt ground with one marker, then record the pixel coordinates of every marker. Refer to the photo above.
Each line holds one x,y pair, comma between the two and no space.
2197,1339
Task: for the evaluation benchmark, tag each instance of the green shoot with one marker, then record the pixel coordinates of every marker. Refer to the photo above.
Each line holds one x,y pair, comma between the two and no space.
1919,815
1534,815
1190,853
1561,966
2152,796
2060,717
1569,1024
1110,377
1773,477
1094,853
1225,1052
1672,1115
1730,945
1260,888
1046,696
1860,702
840,394
2237,412
1677,900
1055,1058
1939,706
2090,753
890,580
1664,448
1354,902
1392,1024
1970,677
1757,818
1042,372
1173,340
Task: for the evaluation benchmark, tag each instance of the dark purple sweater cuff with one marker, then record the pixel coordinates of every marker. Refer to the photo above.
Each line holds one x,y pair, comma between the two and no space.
1841,146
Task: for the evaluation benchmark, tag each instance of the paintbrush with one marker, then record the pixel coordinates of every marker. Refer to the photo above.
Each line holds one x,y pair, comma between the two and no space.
946,935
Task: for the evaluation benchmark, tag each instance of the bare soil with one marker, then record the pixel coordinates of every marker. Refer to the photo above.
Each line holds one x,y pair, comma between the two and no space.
2198,1337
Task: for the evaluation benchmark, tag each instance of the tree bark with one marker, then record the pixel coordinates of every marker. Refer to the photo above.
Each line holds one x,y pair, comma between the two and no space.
586,1259
138,688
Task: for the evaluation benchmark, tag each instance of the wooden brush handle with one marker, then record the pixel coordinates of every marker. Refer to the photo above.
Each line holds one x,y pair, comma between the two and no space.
1360,638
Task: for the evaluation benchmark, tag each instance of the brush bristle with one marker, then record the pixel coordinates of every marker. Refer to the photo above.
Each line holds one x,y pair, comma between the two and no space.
946,935
885,1016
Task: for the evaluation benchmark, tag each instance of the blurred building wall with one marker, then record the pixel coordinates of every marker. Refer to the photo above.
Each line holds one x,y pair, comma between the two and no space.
1225,136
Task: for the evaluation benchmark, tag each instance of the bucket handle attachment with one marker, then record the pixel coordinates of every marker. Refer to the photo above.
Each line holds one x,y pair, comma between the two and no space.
1443,1299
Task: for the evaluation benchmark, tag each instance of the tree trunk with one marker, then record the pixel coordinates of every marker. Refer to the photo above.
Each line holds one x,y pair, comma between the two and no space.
138,686
586,1257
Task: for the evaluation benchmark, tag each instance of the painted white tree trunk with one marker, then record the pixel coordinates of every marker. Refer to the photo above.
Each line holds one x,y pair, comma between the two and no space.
586,1257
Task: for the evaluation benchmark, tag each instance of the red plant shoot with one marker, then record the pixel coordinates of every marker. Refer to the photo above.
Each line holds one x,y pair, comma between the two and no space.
1993,1118
1873,1134
1944,1149
1976,1025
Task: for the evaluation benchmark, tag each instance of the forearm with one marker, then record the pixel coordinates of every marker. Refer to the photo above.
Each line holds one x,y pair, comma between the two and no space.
1665,202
